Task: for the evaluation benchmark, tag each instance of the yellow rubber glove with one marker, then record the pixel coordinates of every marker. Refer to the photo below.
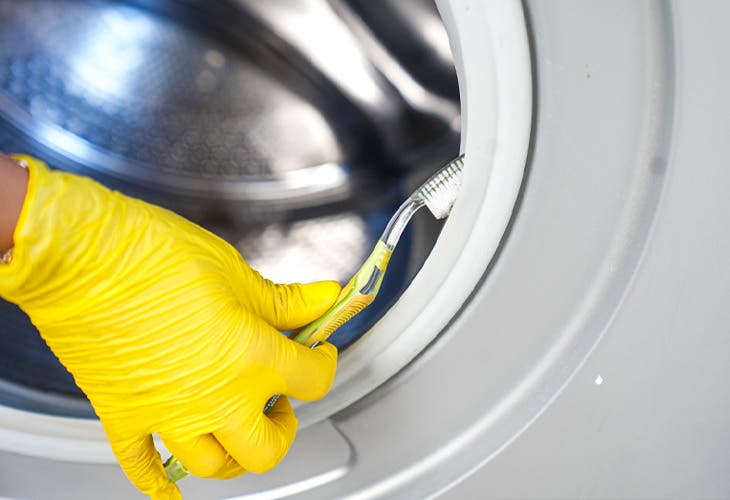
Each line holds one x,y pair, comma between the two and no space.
165,328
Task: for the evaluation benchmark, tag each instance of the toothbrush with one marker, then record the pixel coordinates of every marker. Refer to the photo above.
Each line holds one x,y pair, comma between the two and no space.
438,194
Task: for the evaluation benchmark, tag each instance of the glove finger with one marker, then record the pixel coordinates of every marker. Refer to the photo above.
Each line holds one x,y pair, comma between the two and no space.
305,373
259,441
285,306
202,456
229,470
141,463
310,374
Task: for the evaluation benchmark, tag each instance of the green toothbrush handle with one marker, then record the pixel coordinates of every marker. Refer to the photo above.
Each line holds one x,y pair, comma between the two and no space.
354,297
348,304
175,469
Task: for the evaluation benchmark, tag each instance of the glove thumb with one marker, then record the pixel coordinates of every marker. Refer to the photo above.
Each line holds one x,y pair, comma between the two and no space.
288,306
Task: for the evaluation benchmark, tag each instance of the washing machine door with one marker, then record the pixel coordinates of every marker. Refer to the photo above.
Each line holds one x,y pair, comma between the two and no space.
589,359
566,335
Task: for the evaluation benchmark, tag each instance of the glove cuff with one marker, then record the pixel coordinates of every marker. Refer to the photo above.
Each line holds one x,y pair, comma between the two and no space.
49,246
15,269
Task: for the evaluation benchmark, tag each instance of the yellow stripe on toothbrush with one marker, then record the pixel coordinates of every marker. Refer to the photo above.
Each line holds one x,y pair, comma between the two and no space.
351,300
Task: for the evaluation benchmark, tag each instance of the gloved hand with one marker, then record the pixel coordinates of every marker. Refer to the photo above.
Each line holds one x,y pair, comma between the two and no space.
165,328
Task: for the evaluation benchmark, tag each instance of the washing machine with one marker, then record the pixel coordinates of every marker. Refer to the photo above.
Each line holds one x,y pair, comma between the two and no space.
562,335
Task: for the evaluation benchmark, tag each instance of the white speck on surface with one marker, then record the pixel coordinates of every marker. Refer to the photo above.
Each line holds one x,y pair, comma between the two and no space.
215,59
599,380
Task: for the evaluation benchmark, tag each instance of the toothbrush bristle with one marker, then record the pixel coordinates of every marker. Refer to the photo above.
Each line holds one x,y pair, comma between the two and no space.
440,191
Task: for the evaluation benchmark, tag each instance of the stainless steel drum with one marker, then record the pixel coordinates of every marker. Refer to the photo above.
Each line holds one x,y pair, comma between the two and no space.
297,152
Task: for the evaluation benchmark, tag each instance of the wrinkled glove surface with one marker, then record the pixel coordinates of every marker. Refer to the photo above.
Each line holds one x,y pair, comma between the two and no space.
166,329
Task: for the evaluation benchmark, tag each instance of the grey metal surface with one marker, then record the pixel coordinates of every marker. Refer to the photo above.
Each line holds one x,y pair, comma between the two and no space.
320,455
646,415
592,361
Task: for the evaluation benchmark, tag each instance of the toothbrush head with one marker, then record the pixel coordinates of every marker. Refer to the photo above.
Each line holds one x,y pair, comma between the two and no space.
440,191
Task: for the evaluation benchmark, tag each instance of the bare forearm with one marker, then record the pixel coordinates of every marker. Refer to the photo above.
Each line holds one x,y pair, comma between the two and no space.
13,185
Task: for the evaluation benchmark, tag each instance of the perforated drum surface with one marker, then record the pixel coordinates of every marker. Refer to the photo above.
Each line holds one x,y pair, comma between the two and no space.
155,92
